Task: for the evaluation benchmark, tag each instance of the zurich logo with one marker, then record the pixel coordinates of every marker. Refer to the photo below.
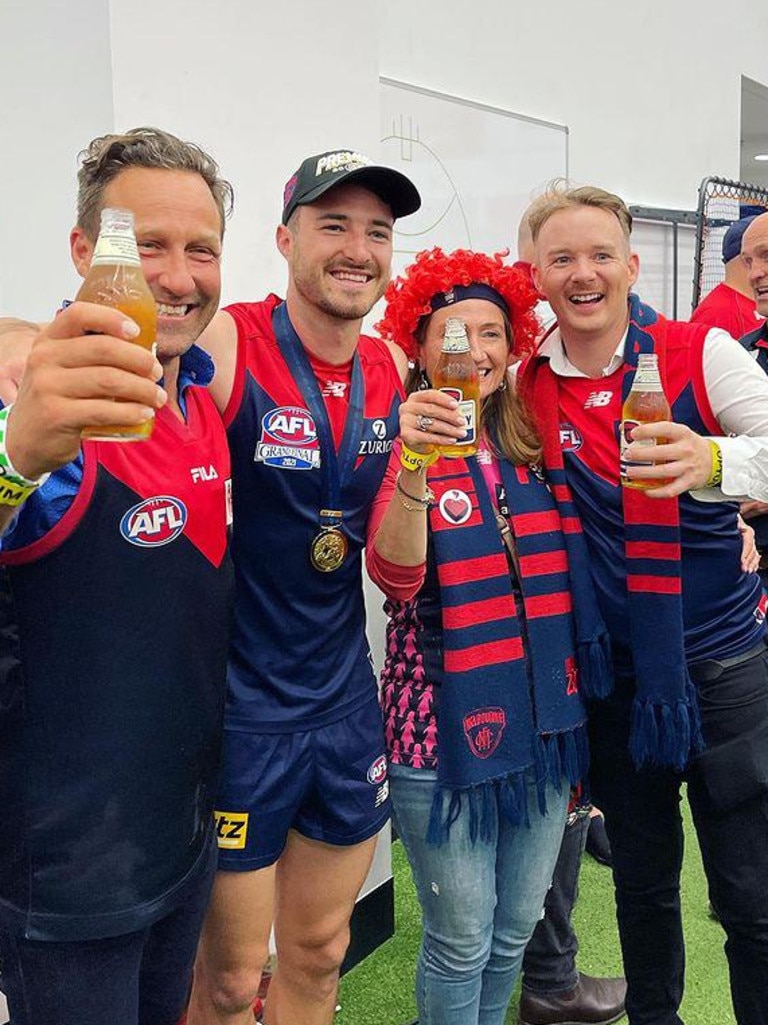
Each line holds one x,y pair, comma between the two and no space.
154,522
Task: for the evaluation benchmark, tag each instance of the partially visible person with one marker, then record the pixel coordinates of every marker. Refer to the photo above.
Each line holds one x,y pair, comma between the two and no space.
526,254
491,621
754,257
311,410
116,590
731,304
687,624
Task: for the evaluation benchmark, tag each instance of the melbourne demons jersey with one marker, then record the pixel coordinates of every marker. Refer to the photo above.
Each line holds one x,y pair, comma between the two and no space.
299,653
114,643
722,608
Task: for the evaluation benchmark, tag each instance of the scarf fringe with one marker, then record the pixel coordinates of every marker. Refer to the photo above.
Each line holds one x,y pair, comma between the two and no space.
664,734
508,793
560,756
595,667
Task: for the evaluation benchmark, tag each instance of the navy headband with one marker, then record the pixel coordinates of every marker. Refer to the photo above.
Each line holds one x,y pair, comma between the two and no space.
458,293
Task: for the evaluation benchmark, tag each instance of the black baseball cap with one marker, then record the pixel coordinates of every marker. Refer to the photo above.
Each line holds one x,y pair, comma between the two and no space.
325,170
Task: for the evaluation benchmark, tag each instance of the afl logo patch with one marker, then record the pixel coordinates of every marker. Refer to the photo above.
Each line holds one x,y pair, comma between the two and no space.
377,773
455,507
288,439
154,522
570,439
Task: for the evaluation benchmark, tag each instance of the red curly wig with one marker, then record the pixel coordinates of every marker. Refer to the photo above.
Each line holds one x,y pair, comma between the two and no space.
409,296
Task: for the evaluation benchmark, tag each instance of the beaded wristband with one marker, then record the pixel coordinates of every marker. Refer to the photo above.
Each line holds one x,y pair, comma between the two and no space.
14,486
422,503
417,461
716,474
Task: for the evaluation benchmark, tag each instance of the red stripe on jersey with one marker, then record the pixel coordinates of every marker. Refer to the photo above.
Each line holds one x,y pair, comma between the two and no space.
653,550
536,523
484,611
474,569
492,653
545,562
548,605
571,525
653,585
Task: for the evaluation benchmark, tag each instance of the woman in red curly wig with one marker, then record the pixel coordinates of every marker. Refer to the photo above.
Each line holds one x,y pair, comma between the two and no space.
492,629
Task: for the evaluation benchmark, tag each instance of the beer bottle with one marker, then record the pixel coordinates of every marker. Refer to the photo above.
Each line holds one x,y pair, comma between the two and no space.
115,279
646,404
456,375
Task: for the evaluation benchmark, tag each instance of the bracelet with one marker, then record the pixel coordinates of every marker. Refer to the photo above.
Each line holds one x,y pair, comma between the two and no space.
716,474
14,486
421,503
417,461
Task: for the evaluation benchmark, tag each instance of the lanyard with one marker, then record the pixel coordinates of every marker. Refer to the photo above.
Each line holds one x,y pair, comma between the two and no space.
336,469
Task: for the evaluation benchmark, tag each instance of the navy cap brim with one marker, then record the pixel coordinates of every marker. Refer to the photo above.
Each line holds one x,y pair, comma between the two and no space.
393,188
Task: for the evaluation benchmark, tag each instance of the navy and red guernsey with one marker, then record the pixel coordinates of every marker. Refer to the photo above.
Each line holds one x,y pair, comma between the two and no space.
113,689
722,608
299,655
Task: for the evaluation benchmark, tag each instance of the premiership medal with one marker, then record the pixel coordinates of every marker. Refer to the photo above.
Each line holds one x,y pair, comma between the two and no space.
328,550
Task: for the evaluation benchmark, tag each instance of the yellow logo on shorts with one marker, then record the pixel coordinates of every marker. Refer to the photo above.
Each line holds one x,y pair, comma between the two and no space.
231,829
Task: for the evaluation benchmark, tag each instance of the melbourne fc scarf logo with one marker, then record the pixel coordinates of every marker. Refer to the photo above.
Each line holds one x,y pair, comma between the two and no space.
484,728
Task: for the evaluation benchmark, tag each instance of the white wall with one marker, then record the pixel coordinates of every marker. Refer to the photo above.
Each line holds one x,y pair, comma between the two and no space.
260,85
650,92
652,106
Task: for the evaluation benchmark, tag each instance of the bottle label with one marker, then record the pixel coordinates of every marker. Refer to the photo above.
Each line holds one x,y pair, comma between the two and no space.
626,430
468,409
116,247
647,376
646,379
455,343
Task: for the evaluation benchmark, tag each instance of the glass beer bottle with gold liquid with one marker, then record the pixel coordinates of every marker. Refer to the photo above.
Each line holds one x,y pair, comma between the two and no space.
456,374
645,404
115,279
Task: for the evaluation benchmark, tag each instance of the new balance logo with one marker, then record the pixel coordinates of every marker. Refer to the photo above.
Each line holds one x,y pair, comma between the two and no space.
598,398
335,389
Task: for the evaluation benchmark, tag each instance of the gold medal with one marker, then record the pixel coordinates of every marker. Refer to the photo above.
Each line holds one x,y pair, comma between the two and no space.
328,550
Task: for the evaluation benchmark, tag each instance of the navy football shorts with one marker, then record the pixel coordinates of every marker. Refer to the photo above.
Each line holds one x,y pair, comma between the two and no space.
329,784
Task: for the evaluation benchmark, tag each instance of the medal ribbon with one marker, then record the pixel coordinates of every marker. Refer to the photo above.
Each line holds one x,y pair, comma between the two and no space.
335,468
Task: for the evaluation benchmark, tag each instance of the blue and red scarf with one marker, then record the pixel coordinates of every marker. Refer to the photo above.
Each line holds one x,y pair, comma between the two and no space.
509,700
665,727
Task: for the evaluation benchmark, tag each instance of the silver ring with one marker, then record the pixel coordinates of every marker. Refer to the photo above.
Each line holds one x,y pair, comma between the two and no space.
424,422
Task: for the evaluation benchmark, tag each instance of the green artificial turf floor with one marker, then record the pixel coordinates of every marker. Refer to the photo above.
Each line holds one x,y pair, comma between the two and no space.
380,990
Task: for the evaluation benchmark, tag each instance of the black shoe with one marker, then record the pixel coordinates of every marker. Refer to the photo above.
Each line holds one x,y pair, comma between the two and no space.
597,841
592,1002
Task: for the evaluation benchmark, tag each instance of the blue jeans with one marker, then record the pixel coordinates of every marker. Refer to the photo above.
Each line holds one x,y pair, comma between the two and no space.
480,902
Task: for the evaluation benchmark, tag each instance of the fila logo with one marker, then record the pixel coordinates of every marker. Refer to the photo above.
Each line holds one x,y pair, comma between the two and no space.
231,829
598,398
201,473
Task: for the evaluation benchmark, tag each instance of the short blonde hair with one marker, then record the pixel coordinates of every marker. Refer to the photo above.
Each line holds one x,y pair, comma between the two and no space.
559,197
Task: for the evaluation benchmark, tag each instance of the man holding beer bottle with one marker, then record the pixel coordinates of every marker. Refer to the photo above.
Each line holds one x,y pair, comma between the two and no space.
687,625
115,602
